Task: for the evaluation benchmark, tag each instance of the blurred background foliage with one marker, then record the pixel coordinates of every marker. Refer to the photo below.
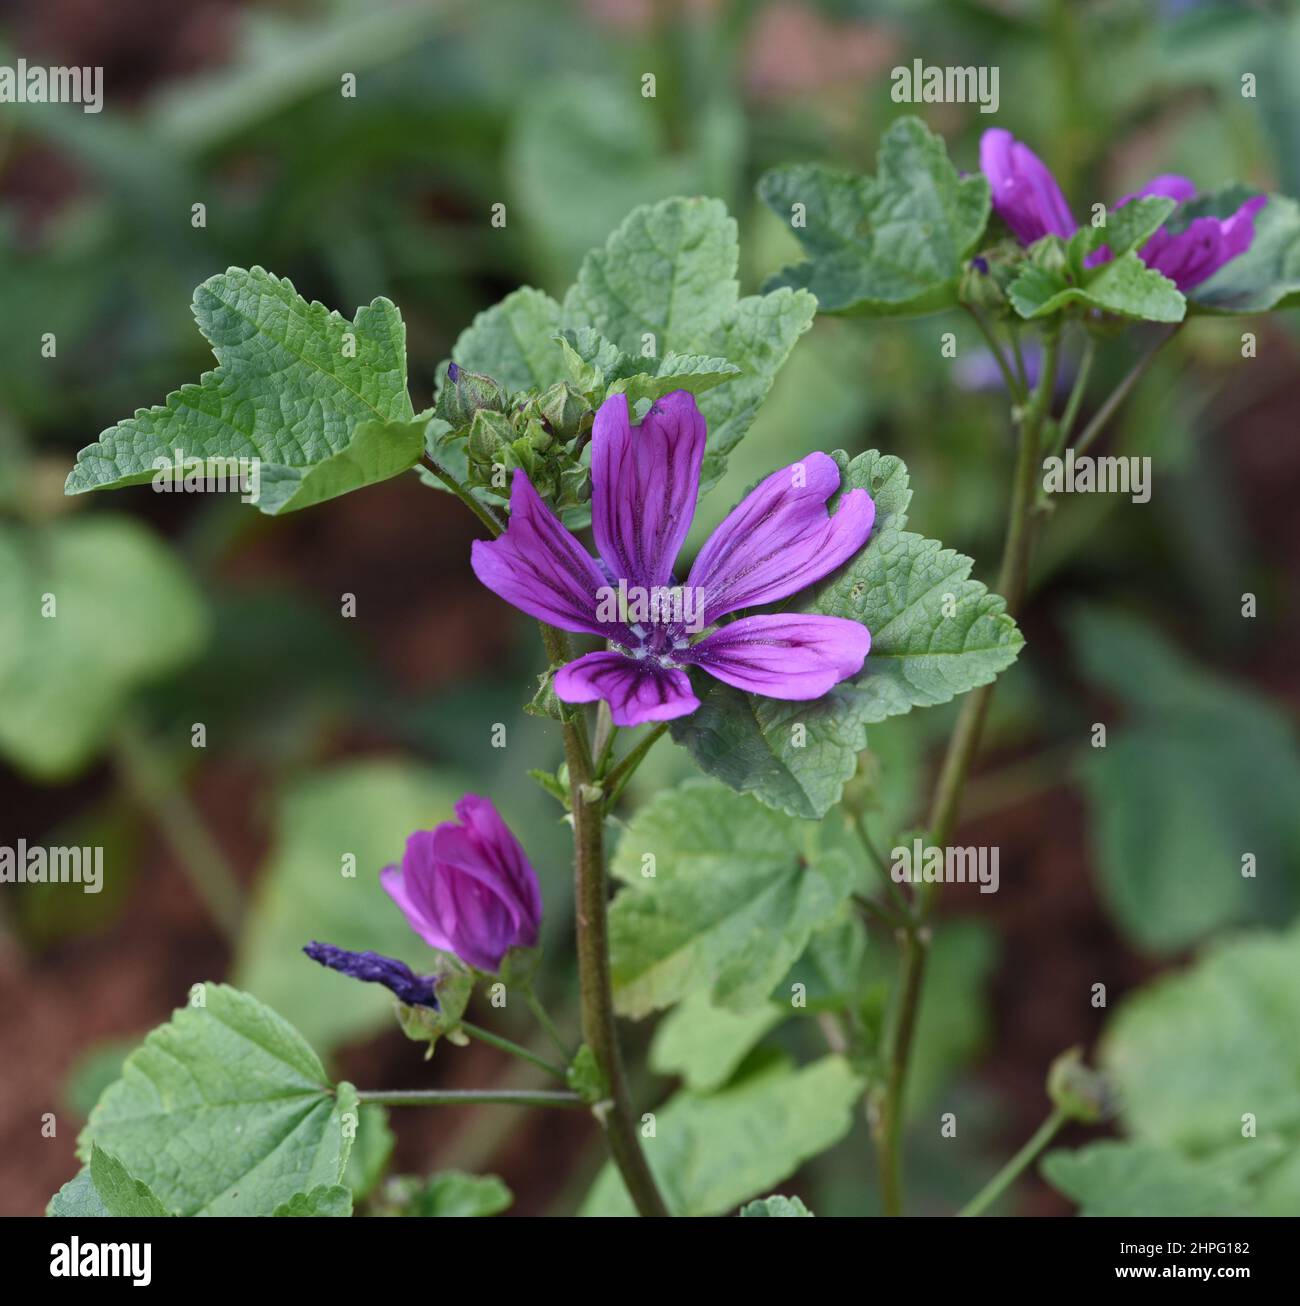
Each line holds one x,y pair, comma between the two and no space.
323,732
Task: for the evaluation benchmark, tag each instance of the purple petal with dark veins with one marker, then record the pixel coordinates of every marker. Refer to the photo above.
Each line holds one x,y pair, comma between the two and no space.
780,538
784,655
538,567
644,483
1025,194
636,691
1196,253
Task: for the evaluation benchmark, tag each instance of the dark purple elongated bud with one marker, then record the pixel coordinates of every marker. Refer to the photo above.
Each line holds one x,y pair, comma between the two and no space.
396,976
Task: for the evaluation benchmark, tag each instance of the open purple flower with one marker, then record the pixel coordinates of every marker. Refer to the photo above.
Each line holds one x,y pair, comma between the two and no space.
1027,198
467,887
645,480
415,990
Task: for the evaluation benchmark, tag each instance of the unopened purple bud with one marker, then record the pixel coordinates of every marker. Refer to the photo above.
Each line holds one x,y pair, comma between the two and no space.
453,372
415,990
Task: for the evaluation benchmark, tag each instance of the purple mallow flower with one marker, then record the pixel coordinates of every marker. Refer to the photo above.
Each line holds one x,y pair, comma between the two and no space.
467,887
415,990
645,480
1028,200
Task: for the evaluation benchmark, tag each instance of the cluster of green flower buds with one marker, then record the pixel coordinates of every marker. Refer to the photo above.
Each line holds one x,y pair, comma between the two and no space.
987,276
541,433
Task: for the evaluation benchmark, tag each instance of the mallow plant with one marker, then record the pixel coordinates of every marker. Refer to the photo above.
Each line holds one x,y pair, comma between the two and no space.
582,434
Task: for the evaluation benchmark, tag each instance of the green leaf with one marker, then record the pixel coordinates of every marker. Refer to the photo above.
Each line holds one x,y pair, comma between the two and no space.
1123,285
335,831
121,612
225,1110
1130,226
332,1200
514,342
775,1206
705,1044
1142,1179
666,279
934,634
104,1188
447,1193
1201,772
372,1149
694,372
299,388
1267,275
1194,1052
737,889
894,244
710,1154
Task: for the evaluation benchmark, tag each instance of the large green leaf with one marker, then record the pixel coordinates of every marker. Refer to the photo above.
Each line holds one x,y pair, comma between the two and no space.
225,1110
515,342
710,1154
122,612
327,1200
1200,772
1124,285
104,1188
319,401
1267,275
1194,1053
705,1044
362,811
892,244
935,633
449,1193
737,889
1143,1179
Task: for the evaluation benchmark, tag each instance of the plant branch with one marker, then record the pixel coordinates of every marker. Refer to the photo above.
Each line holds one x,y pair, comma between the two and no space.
1122,391
599,1028
470,1097
1013,385
514,1049
625,768
480,510
1014,1167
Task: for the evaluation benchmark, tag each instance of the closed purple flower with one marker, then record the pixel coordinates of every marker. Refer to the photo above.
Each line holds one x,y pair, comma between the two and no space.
1029,201
467,887
645,480
1025,194
415,990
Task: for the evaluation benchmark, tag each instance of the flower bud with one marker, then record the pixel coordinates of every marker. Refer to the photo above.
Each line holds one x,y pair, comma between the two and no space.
464,394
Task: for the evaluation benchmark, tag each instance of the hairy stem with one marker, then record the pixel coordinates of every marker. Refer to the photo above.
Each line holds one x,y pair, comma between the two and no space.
470,1097
1014,1167
480,510
962,747
1122,392
148,777
599,1028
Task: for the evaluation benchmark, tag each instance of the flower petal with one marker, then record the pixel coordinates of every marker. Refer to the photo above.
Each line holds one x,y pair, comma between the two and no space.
1169,185
784,655
538,567
404,887
1196,253
644,483
780,538
374,968
495,848
635,691
1025,194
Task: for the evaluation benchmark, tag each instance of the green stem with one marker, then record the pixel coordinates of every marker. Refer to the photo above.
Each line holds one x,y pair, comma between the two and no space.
1013,386
470,1097
1066,424
1014,1167
616,781
1121,392
599,1029
149,777
480,510
962,747
514,1049
544,1020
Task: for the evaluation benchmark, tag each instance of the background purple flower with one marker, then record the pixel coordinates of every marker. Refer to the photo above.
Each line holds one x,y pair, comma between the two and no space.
1027,198
645,481
467,888
415,990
